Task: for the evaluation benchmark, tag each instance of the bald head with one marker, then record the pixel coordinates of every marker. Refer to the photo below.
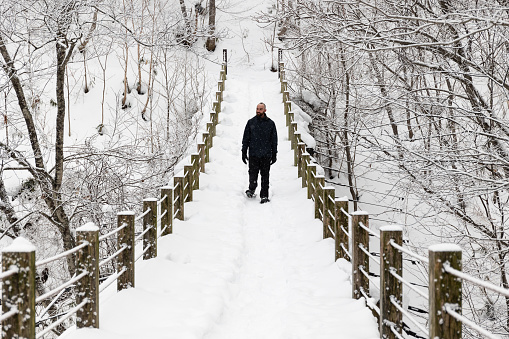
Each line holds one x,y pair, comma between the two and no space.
260,110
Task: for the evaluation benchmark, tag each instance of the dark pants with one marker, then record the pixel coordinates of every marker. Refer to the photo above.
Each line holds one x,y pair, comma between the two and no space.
262,166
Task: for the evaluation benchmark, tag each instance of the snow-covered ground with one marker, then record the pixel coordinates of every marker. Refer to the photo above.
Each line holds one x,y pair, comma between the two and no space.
236,268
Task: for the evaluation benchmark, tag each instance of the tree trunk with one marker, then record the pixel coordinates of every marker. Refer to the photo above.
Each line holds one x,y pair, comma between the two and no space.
8,210
346,143
211,40
186,38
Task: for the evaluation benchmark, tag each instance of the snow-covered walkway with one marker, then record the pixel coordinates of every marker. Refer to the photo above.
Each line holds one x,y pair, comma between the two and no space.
235,268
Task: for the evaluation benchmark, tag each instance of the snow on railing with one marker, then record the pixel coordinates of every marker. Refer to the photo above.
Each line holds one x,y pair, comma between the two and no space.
18,259
351,233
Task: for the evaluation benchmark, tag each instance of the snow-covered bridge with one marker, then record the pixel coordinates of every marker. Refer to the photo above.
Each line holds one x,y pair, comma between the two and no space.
234,268
219,265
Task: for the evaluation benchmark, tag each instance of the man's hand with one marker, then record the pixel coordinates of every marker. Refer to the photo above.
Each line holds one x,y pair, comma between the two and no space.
273,160
244,157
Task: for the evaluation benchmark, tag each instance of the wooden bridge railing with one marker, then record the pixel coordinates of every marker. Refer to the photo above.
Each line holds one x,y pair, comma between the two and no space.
18,260
351,233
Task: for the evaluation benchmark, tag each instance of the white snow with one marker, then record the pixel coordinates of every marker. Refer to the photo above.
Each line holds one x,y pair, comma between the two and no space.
391,228
359,212
126,213
88,227
19,244
444,248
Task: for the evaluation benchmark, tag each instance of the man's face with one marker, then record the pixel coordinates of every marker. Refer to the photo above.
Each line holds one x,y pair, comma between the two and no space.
260,110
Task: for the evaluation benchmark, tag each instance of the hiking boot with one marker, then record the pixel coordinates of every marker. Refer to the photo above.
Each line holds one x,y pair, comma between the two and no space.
264,200
250,194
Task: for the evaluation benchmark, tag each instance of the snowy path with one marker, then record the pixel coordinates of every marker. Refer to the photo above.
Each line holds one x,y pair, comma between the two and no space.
235,268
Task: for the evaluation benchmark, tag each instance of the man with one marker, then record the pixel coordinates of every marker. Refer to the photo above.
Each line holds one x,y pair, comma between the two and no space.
260,138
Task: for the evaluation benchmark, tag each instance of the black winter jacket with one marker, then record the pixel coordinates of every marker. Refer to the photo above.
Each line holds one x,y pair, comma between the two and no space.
260,137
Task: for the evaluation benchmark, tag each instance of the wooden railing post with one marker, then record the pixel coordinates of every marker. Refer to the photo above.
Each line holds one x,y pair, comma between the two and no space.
319,197
283,78
304,169
195,161
291,117
206,137
287,106
359,259
310,175
216,107
444,288
225,60
214,120
219,96
297,153
391,260
125,260
88,286
210,129
188,183
279,60
202,153
286,94
293,129
150,221
18,290
178,203
342,242
328,210
166,210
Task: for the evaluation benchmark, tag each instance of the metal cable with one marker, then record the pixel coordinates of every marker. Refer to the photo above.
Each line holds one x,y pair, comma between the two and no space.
107,235
62,255
6,315
410,253
142,215
115,277
142,253
114,255
59,288
479,282
345,250
346,232
143,233
369,231
368,302
469,323
364,273
9,272
61,320
392,271
372,257
408,315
